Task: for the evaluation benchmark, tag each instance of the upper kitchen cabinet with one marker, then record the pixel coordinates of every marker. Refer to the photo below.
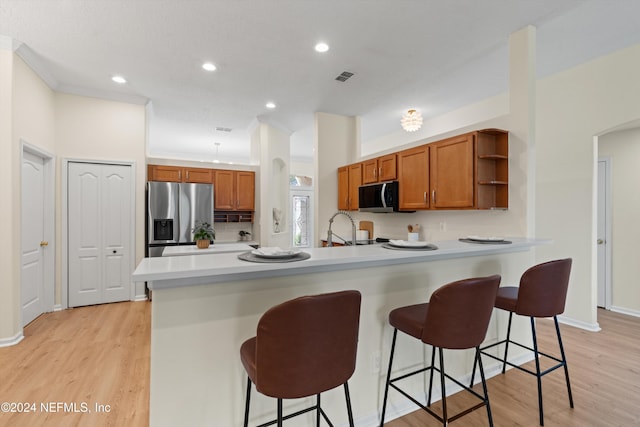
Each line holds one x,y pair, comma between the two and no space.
451,164
349,180
179,174
379,169
469,171
234,190
413,178
492,169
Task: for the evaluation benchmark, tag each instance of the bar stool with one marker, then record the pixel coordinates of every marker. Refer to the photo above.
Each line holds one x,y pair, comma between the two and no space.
302,348
542,293
456,317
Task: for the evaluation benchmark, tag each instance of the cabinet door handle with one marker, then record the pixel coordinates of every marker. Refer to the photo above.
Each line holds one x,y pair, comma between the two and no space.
380,171
375,172
433,196
180,175
424,198
187,175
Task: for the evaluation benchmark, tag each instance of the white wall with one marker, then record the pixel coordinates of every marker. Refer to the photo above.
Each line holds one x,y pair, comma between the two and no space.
67,126
491,113
623,147
32,116
572,108
9,179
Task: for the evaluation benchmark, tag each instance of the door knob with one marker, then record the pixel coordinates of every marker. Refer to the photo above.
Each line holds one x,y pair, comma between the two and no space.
600,241
44,243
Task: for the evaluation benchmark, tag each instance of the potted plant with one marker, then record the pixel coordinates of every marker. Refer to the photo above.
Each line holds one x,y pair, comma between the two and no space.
244,235
203,234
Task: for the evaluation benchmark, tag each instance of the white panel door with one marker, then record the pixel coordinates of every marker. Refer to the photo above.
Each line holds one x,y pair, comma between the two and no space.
116,232
99,211
33,245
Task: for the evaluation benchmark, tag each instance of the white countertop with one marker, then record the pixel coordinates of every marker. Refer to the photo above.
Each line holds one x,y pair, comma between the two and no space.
172,272
216,248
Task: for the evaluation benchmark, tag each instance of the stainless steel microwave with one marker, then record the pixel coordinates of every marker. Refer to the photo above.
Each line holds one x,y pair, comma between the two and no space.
379,197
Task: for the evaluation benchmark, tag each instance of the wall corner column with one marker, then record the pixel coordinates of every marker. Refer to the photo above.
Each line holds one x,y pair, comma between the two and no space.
522,111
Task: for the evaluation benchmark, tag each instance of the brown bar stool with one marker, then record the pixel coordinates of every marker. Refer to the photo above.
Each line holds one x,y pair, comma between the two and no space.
542,293
456,317
302,348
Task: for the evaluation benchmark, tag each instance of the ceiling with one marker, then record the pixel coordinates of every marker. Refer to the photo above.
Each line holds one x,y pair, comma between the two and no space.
432,55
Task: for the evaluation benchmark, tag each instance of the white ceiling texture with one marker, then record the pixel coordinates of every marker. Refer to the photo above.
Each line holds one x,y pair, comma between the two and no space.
432,55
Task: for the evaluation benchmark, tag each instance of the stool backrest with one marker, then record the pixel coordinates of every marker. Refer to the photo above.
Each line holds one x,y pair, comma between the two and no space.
543,289
307,345
459,313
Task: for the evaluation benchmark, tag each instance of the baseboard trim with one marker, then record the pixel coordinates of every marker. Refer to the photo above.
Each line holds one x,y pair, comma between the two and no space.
627,311
58,307
592,327
8,342
139,298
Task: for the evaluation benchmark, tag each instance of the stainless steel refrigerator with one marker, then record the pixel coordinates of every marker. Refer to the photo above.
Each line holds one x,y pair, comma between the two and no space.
172,211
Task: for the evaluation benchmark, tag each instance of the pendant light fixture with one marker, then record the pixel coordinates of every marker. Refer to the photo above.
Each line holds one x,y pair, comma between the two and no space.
411,121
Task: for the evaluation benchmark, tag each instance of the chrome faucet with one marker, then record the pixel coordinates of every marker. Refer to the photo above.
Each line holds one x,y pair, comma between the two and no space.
331,233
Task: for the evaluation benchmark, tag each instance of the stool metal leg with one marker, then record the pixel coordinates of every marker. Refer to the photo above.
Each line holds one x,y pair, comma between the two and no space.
279,412
484,386
386,387
538,375
433,360
564,361
246,406
442,390
506,345
318,410
348,398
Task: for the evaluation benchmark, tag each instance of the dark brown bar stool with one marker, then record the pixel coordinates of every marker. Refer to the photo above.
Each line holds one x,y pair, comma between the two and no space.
456,317
542,293
302,348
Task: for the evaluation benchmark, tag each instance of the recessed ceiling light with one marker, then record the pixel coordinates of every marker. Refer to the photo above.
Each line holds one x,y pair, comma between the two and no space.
270,105
209,66
322,47
119,79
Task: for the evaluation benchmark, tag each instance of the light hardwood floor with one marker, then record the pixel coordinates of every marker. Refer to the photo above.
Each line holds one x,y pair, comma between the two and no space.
91,355
604,370
100,354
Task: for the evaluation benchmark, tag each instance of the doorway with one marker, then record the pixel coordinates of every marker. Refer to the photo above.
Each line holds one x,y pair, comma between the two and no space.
37,252
604,233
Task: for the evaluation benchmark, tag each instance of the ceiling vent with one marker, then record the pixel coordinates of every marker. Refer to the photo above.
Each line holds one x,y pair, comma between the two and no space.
344,76
221,129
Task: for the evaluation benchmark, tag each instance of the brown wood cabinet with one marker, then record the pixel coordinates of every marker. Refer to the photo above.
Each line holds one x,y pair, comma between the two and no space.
451,165
380,169
413,177
179,174
469,171
349,180
234,190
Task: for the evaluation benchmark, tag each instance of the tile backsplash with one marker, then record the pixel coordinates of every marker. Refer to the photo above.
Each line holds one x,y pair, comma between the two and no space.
228,231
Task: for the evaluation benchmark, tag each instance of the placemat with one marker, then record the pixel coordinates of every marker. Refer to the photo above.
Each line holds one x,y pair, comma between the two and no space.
428,247
486,242
248,256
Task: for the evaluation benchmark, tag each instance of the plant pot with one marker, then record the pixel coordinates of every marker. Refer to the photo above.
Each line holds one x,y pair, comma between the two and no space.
202,244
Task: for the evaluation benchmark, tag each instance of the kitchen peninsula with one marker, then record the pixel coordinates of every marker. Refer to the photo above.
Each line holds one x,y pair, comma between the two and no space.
205,306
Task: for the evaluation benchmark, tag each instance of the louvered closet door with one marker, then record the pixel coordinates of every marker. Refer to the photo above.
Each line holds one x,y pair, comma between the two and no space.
99,208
